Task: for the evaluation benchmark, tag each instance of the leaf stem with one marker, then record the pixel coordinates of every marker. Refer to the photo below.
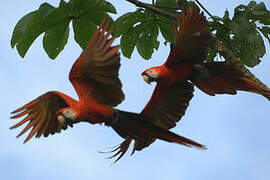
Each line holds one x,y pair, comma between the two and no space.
152,8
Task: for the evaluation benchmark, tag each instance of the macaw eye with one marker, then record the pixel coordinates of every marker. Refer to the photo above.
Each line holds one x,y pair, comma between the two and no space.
150,71
68,112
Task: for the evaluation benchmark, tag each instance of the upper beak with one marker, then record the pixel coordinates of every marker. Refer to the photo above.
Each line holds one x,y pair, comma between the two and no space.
146,79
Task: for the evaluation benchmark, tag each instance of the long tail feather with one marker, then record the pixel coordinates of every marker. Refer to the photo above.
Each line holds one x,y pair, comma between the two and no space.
141,129
224,79
151,129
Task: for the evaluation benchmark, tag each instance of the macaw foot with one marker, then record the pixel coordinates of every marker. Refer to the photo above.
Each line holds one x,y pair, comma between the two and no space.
199,73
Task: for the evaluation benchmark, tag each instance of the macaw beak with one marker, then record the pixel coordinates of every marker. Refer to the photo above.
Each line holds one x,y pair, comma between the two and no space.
146,79
64,122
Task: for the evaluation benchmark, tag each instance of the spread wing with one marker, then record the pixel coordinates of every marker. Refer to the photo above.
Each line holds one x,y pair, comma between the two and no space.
168,105
165,108
192,38
41,114
95,73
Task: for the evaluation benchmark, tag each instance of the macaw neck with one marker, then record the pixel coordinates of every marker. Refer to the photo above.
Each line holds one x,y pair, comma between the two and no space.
165,75
93,112
176,73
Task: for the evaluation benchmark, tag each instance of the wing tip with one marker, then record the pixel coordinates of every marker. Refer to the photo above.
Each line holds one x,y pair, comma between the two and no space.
200,147
12,127
191,17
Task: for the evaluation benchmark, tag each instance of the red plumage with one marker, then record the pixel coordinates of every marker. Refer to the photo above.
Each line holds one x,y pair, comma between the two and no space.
95,78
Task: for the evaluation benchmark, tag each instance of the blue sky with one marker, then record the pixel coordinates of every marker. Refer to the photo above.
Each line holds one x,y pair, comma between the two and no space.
235,128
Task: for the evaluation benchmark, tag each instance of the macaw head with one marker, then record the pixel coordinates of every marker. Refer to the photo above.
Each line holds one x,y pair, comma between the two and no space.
66,116
151,75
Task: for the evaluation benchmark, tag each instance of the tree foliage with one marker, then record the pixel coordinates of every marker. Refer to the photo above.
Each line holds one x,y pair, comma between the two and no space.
54,22
243,33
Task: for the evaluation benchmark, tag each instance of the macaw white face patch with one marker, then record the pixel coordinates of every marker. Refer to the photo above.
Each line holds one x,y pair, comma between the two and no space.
68,113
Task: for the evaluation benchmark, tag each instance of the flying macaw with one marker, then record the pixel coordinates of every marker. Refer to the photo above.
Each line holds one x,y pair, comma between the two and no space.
185,67
95,78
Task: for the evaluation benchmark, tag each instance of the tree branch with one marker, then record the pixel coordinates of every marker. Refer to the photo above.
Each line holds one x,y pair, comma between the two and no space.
209,14
152,8
168,7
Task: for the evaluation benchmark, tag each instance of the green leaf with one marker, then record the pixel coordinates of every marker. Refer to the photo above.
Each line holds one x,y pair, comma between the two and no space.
250,50
55,39
128,20
125,22
167,32
129,25
86,25
54,21
226,19
48,12
259,12
147,41
65,8
83,30
81,7
29,28
20,28
139,29
265,30
35,23
240,34
76,7
166,28
129,40
247,43
259,9
96,17
240,26
169,3
20,37
107,7
45,9
89,14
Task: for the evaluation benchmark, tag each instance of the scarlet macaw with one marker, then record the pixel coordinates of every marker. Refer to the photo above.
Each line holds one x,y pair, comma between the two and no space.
185,66
95,78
